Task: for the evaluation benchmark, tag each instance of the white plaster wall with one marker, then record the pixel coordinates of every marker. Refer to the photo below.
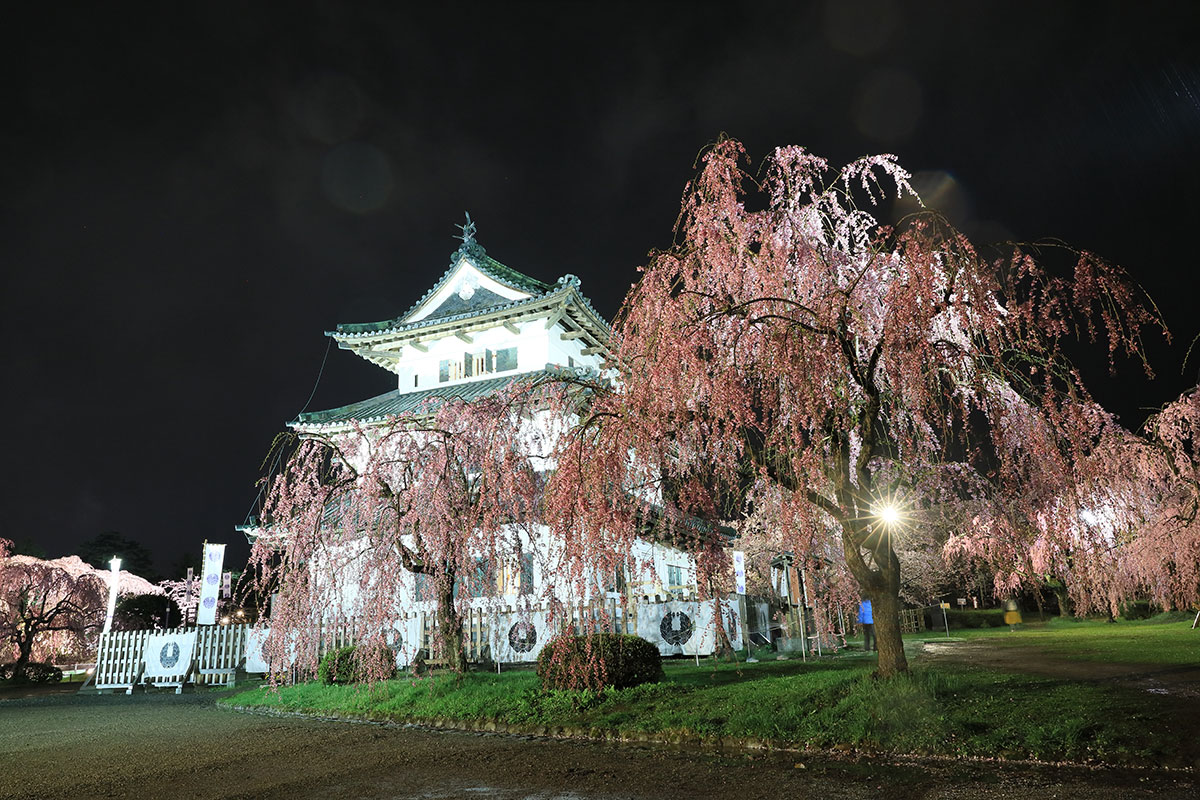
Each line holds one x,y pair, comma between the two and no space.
649,576
536,347
530,347
655,558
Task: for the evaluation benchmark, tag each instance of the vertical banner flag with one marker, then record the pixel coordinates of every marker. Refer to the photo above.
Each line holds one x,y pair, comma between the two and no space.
191,598
214,559
189,603
226,585
113,581
739,570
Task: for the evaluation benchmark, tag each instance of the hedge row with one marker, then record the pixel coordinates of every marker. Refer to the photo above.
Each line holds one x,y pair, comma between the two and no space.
34,672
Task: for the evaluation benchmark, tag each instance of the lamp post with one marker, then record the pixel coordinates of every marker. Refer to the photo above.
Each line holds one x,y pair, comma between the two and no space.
115,565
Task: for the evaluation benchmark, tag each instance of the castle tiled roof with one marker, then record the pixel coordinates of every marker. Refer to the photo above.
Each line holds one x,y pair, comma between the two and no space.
395,403
474,253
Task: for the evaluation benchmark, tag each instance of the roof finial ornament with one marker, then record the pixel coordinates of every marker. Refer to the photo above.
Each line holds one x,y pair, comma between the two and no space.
468,231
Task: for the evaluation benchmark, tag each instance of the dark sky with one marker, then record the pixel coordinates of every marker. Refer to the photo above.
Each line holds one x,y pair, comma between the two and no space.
190,198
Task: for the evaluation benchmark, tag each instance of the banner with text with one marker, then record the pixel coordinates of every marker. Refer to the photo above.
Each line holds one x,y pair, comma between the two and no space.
214,560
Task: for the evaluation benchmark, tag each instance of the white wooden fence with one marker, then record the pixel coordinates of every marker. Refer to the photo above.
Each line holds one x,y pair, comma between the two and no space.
121,660
504,634
912,620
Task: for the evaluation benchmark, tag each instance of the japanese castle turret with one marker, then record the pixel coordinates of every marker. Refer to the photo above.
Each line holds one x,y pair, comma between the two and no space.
482,326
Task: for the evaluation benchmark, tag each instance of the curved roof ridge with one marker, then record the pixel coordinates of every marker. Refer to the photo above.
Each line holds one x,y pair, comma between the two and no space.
395,326
475,254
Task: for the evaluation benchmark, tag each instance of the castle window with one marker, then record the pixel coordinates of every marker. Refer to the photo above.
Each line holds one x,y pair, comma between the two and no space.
506,359
481,363
674,577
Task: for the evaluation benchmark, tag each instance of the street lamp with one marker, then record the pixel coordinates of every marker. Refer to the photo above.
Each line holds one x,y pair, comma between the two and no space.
888,514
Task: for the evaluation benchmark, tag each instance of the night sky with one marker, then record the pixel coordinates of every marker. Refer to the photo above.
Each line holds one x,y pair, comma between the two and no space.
188,200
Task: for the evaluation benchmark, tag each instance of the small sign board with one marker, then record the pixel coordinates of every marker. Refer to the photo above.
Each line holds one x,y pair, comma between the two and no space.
944,605
962,601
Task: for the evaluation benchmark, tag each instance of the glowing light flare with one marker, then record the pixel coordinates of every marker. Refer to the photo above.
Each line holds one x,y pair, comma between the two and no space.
889,515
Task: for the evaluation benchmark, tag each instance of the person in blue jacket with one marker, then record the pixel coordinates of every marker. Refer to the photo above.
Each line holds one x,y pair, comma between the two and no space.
866,620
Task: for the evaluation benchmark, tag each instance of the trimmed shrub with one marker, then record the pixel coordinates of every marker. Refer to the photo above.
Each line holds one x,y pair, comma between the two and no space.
348,665
34,672
598,660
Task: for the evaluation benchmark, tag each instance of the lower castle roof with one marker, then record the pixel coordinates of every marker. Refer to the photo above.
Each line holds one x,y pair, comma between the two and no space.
395,403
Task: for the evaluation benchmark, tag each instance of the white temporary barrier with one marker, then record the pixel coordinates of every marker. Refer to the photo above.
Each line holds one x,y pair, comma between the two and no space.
212,654
519,635
687,627
208,655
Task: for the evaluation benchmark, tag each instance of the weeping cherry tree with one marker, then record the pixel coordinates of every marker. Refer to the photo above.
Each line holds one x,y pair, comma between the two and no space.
827,379
436,501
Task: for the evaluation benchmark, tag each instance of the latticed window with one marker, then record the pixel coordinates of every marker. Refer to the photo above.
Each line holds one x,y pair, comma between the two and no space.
481,363
674,577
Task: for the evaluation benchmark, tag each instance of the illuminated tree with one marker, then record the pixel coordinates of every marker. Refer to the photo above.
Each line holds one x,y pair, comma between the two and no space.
439,502
1163,557
810,370
40,600
1129,530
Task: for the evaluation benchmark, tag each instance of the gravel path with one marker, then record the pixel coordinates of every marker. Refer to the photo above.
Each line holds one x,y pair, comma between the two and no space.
163,745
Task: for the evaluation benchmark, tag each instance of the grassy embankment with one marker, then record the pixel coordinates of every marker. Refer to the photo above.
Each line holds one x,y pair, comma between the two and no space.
833,702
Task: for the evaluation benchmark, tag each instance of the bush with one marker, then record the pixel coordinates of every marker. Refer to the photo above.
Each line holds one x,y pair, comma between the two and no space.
347,665
34,672
1137,609
598,660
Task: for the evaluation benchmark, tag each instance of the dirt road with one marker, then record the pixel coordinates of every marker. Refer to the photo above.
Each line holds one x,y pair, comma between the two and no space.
168,746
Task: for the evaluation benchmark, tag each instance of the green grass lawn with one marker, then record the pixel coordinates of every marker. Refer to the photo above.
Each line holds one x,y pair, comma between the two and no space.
1167,639
833,702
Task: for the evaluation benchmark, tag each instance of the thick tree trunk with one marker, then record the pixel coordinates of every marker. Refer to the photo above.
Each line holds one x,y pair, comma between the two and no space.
1065,607
886,607
450,629
881,585
24,654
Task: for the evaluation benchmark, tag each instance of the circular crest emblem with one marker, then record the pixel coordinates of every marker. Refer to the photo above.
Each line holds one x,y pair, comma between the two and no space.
467,287
169,655
522,637
676,628
209,602
212,579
